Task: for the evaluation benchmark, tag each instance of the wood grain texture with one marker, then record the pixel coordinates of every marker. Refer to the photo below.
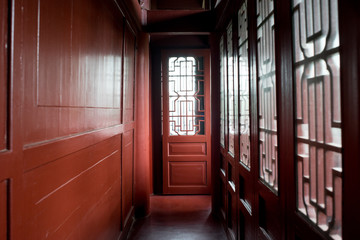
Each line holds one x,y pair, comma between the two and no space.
350,99
72,150
142,160
129,75
63,198
39,154
127,176
187,174
179,217
3,73
4,209
73,74
189,139
187,148
158,42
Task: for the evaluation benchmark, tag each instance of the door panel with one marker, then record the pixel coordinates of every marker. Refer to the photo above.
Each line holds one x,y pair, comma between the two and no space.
290,168
127,176
318,115
6,158
129,75
190,173
186,122
268,201
4,209
187,148
3,74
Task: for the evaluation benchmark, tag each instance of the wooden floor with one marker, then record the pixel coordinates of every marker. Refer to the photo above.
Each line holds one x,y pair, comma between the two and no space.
178,218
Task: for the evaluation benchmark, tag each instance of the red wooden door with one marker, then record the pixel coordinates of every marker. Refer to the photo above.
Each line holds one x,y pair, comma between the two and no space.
266,164
318,186
10,135
6,157
186,122
293,146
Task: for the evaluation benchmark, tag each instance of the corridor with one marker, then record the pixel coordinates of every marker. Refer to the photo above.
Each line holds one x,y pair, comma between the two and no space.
178,218
179,119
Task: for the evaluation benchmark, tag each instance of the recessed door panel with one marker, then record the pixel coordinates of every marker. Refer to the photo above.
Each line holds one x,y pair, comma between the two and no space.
186,122
187,174
187,149
4,209
3,73
6,157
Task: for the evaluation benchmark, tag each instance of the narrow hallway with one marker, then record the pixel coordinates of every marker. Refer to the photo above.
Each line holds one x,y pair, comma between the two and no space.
179,120
177,218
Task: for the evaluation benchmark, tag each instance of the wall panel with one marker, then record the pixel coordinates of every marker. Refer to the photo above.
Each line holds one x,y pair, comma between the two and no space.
127,175
73,79
4,209
129,75
3,73
76,91
62,197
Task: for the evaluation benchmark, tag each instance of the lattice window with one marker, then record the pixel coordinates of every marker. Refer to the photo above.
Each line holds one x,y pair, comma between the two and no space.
318,116
244,93
267,94
223,96
231,88
186,96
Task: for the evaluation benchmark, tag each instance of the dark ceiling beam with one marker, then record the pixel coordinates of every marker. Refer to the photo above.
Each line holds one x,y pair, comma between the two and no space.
179,21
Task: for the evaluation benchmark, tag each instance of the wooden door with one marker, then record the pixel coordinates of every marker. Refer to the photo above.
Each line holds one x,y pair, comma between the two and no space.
6,156
186,122
266,161
297,132
11,213
317,209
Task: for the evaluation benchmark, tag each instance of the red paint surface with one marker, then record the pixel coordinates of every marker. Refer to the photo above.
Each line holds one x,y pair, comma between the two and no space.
160,41
3,73
4,209
142,116
63,105
72,85
187,148
186,172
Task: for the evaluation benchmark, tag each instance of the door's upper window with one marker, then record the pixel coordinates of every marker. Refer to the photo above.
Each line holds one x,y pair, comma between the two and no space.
318,114
186,96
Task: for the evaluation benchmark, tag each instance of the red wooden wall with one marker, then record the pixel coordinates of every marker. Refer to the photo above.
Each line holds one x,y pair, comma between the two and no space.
67,123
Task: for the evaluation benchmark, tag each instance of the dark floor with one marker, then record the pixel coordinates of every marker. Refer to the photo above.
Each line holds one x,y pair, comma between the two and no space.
178,218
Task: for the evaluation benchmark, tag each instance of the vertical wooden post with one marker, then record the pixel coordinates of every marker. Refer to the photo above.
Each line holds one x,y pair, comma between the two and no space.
142,138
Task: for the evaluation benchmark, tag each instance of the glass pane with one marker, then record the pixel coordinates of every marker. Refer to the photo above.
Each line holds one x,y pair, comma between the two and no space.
267,94
244,94
186,96
231,89
222,92
318,117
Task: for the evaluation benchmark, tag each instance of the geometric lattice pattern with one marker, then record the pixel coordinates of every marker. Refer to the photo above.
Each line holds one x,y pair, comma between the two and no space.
186,96
223,94
244,92
231,88
268,153
318,115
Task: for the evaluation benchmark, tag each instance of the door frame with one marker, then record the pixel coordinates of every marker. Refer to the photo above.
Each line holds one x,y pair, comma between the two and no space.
203,189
